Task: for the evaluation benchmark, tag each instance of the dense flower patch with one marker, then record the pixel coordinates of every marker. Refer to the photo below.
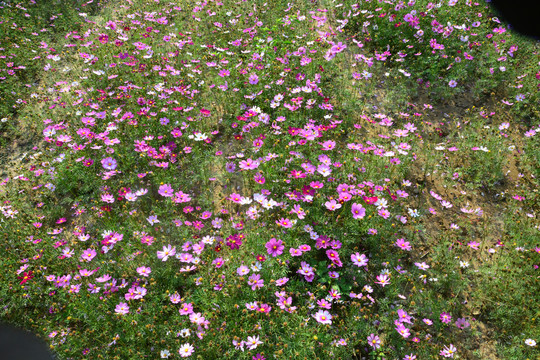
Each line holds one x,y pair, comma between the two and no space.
207,185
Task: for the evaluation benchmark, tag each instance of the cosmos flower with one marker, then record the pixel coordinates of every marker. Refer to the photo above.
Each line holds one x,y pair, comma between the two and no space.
109,163
122,308
359,259
166,190
252,342
186,350
374,341
383,280
323,317
530,342
88,254
358,211
167,251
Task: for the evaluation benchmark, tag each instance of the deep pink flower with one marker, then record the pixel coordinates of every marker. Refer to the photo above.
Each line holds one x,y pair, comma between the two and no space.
275,247
445,317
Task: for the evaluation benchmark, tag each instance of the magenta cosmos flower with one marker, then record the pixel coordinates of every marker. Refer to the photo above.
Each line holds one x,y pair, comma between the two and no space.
405,245
445,317
275,247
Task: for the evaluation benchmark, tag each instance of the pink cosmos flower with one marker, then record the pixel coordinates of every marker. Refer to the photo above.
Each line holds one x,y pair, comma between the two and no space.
175,298
180,197
332,205
402,330
402,244
252,342
122,308
264,308
249,164
358,211
304,248
186,309
242,270
403,316
383,280
185,257
166,190
384,213
323,317
332,255
144,271
218,262
316,185
295,252
152,219
359,259
88,254
253,79
85,272
324,304
235,197
374,341
167,251
286,223
328,145
255,281
448,351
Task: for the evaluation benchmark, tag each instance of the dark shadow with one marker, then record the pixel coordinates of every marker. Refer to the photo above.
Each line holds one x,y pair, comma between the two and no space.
521,15
19,344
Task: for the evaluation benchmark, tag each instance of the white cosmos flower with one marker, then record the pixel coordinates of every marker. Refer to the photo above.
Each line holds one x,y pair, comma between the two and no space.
530,342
